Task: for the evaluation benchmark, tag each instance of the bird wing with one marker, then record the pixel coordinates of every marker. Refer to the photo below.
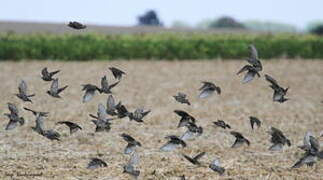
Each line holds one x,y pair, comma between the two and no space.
54,86
253,51
206,93
111,103
200,155
104,82
271,80
134,159
102,114
13,109
168,147
248,77
88,95
44,72
22,87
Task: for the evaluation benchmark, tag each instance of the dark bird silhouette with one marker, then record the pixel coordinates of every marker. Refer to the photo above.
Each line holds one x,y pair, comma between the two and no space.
216,166
101,121
240,139
192,131
208,88
122,111
254,68
112,106
278,139
40,117
185,118
129,168
89,91
76,25
96,163
222,124
48,76
105,87
173,143
138,114
182,98
253,121
23,92
117,73
14,118
72,126
132,143
54,91
195,159
279,92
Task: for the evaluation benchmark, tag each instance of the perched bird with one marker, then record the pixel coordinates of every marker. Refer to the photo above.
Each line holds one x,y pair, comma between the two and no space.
222,124
240,139
132,143
48,76
253,121
89,91
76,25
185,118
208,88
192,131
182,98
138,115
215,166
311,147
195,159
101,121
96,163
173,143
254,68
23,92
279,92
14,118
112,106
105,87
54,91
117,73
73,126
129,168
278,139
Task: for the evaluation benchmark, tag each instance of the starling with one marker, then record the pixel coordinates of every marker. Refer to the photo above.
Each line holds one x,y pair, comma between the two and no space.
132,143
14,118
76,25
48,76
208,88
222,124
182,98
240,139
278,139
23,92
252,72
215,166
96,163
117,73
122,111
101,121
253,121
54,90
279,92
89,91
138,115
173,143
105,87
73,126
195,159
51,134
192,131
185,118
112,106
129,168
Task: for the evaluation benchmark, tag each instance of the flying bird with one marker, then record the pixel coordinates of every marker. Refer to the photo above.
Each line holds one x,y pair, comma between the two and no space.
216,166
117,73
96,163
253,121
14,118
208,88
138,114
101,121
279,92
240,139
72,126
182,98
195,159
48,76
222,124
51,134
122,111
192,131
23,92
278,139
112,106
173,143
89,91
54,91
254,68
129,168
132,143
185,118
76,25
105,87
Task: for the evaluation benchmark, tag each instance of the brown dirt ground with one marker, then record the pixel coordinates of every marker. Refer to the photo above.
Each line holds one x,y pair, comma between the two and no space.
151,84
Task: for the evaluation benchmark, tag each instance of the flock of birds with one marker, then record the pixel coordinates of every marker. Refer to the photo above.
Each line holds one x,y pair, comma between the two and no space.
118,110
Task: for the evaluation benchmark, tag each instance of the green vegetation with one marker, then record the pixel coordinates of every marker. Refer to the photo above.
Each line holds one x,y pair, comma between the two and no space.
156,46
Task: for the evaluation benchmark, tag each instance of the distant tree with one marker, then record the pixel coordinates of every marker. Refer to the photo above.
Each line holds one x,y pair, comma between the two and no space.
270,26
226,22
150,18
318,30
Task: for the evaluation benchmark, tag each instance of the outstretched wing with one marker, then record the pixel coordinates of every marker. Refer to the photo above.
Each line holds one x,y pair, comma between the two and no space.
253,51
22,87
54,86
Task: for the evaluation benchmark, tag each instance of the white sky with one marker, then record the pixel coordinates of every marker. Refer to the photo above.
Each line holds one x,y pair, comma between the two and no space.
124,12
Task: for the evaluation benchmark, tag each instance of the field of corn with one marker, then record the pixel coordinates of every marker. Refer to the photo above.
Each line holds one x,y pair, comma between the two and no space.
151,84
168,46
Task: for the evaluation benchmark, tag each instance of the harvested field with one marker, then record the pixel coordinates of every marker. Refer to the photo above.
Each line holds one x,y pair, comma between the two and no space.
151,84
